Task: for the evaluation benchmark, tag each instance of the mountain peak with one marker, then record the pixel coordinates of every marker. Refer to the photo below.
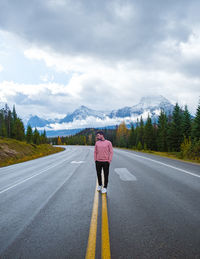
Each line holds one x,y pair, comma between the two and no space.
152,100
83,107
151,105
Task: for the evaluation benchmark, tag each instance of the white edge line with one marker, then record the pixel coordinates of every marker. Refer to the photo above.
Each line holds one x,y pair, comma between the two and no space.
12,186
158,162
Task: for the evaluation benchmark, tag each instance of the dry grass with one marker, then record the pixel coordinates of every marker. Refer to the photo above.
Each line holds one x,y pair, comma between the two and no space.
13,151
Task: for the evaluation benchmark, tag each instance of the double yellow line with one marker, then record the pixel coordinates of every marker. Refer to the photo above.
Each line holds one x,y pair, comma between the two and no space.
105,240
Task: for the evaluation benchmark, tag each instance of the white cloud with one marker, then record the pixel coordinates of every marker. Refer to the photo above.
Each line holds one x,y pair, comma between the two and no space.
47,78
1,68
90,121
122,84
124,11
191,48
96,84
112,53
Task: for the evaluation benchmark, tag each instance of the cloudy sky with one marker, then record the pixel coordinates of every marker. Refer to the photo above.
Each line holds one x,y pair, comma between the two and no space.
56,55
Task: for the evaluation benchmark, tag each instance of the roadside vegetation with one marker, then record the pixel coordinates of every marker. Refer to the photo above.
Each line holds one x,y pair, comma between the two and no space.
16,145
14,151
176,135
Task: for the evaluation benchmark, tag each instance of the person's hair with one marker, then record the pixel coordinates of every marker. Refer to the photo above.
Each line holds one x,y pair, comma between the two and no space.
100,132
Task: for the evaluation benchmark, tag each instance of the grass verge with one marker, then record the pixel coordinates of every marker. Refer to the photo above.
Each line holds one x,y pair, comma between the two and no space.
13,151
173,155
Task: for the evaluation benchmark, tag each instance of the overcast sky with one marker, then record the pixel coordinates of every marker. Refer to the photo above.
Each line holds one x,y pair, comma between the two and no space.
56,55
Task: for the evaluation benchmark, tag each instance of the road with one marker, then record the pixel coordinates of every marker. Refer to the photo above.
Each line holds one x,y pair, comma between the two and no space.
49,207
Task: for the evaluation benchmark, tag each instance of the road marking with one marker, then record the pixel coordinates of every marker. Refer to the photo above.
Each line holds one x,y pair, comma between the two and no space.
105,240
125,175
77,162
161,163
91,247
26,179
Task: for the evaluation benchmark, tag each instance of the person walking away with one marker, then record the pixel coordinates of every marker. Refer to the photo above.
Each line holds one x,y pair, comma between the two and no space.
103,153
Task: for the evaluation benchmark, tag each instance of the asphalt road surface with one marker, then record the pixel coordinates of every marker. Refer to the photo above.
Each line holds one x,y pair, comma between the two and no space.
49,207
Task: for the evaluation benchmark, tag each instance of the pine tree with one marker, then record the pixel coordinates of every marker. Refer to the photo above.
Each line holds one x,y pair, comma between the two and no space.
7,120
36,137
149,134
186,124
14,114
43,137
137,133
10,124
3,131
140,135
175,131
132,139
19,132
29,134
196,125
162,132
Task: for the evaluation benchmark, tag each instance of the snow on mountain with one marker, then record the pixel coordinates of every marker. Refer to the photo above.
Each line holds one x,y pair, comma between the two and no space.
82,113
84,117
148,104
153,103
36,121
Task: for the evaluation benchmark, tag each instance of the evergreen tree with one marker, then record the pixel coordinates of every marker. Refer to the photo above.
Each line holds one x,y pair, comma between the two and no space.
3,131
196,125
132,139
7,120
18,129
186,124
36,137
162,132
10,124
175,131
14,114
43,137
137,133
155,136
29,134
149,134
140,132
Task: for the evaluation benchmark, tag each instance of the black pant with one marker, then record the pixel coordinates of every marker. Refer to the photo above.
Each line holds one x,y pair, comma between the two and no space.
105,166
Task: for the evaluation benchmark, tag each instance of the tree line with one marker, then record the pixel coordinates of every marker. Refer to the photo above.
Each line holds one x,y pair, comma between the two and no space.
178,132
11,126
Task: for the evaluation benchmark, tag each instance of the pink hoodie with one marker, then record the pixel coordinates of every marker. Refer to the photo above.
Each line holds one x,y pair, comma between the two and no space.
103,151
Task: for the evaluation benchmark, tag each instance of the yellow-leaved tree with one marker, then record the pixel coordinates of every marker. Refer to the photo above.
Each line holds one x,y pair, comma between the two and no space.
59,141
122,135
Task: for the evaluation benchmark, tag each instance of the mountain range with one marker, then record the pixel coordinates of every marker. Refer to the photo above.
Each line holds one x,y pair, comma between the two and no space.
84,117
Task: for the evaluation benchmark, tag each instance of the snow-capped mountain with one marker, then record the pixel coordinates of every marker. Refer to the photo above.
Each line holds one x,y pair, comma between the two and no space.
148,104
84,117
82,113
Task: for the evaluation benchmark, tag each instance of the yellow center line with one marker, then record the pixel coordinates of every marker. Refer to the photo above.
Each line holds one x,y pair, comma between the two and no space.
91,247
105,239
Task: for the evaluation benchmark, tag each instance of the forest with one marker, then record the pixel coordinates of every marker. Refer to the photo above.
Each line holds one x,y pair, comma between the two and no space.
177,133
11,126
